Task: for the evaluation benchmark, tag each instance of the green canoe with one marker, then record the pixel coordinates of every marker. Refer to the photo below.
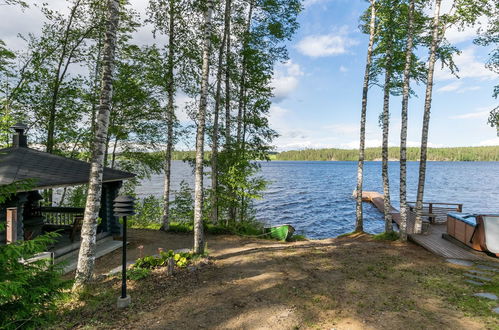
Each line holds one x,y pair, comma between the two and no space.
280,232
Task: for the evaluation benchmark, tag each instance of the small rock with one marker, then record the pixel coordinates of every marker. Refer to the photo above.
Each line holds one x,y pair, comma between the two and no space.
182,250
482,278
479,272
487,295
483,267
474,282
460,262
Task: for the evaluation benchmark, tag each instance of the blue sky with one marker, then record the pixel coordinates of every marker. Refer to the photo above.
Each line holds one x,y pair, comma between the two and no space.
318,91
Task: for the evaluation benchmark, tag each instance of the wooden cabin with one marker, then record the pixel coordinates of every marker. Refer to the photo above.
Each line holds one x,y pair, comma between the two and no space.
23,213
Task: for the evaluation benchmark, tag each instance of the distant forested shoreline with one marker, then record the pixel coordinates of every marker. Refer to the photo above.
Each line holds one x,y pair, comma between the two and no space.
434,154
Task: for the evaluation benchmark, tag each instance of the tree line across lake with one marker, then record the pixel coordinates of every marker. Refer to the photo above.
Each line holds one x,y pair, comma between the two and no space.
489,153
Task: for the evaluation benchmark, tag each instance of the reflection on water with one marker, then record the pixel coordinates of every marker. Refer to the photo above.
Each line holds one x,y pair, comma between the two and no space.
315,197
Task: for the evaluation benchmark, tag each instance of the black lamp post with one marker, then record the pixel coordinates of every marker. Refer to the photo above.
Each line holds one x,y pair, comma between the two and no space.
123,207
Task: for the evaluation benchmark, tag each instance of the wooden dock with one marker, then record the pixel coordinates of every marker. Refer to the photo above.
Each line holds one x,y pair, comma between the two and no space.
433,241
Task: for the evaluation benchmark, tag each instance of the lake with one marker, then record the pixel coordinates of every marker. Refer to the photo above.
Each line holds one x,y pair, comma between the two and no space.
316,197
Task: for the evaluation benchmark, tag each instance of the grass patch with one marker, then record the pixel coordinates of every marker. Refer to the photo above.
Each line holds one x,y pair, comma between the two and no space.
390,236
298,238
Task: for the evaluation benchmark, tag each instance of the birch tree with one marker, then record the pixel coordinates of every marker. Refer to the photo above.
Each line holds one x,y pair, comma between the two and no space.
86,257
404,119
462,13
199,239
359,223
216,112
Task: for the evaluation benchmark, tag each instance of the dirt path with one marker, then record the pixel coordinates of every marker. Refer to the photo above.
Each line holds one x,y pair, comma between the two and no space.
348,283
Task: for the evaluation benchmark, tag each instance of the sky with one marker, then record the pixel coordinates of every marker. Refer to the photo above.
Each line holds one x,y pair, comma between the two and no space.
318,90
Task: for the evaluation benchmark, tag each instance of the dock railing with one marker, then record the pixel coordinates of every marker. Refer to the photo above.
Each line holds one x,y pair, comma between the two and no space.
436,213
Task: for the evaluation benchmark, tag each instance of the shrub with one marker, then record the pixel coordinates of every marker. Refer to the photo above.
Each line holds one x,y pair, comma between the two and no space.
28,292
137,273
150,262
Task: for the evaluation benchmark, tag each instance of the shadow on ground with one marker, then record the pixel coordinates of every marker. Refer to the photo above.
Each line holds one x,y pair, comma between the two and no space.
347,283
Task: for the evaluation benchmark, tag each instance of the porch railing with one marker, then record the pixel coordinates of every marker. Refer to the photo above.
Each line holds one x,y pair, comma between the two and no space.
61,216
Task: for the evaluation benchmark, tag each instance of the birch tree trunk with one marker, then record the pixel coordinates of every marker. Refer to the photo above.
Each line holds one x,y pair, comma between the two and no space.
170,116
218,95
242,89
404,119
86,257
426,118
359,223
386,129
227,80
58,78
201,118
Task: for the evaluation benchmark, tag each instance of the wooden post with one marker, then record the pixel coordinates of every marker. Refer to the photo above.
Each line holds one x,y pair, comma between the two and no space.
11,225
430,211
460,208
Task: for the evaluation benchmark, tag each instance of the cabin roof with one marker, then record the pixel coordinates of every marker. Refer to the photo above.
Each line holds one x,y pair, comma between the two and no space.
48,170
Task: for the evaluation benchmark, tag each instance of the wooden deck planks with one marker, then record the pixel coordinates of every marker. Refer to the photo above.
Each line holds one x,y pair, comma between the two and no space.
433,241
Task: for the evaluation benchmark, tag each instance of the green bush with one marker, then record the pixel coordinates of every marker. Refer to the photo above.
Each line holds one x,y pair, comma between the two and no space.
136,273
150,262
28,292
149,212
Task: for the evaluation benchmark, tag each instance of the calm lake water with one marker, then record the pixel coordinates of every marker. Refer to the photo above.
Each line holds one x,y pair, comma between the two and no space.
316,197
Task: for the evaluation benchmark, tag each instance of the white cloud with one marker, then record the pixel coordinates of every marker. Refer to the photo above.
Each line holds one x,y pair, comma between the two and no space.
478,113
451,87
490,142
370,143
276,115
343,68
308,3
343,129
335,43
286,80
457,86
469,65
472,115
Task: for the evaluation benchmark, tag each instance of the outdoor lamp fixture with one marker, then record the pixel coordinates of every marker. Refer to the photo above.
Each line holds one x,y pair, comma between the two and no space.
123,207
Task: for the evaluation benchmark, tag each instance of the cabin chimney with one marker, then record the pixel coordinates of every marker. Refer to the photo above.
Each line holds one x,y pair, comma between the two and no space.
19,139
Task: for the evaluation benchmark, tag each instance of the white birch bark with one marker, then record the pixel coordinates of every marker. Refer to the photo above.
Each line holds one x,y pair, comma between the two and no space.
201,118
170,116
242,89
426,118
386,129
359,223
218,95
86,257
227,81
404,120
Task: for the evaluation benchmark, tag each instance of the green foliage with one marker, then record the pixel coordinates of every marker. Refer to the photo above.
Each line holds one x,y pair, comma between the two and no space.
149,211
390,236
489,37
150,262
9,189
137,273
28,292
434,154
182,207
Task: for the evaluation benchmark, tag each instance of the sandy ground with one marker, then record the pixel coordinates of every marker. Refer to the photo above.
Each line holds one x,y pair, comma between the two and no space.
345,283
